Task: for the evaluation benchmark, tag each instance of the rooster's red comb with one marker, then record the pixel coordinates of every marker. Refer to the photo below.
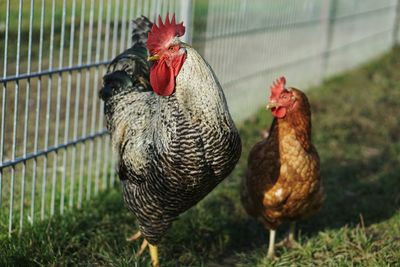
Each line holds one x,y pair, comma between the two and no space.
278,87
161,34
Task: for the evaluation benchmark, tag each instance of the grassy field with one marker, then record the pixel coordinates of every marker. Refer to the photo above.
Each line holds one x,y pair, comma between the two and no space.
356,129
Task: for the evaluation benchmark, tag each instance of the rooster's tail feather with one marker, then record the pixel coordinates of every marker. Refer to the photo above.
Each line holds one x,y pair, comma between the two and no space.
140,27
129,71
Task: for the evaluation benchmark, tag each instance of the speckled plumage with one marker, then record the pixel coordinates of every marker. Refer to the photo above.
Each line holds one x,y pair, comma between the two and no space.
283,180
171,150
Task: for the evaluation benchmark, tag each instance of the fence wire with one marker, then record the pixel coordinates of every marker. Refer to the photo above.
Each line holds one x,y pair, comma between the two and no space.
54,151
249,43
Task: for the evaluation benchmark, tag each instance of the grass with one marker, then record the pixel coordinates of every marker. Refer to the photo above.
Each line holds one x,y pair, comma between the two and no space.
356,129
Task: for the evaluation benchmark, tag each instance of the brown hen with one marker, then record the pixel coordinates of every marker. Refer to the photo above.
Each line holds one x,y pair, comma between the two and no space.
282,181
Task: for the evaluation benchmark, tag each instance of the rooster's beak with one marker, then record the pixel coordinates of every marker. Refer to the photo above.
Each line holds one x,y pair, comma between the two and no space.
153,57
271,105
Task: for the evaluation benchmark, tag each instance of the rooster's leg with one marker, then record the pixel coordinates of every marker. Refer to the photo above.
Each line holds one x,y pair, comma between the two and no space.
154,255
143,246
134,237
271,247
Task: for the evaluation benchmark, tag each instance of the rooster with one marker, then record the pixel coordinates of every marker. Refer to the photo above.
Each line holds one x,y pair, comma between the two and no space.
172,133
282,181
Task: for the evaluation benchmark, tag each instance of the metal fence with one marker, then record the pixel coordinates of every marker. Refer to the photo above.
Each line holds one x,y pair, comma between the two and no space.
54,151
249,43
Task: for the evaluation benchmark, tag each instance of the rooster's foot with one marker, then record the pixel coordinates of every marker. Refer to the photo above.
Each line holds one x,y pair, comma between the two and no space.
152,249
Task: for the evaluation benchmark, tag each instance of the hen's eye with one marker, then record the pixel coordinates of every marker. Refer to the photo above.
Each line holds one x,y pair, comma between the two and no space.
171,48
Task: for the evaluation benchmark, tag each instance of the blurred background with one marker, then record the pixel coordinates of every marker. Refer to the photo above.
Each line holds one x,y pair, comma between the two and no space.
55,153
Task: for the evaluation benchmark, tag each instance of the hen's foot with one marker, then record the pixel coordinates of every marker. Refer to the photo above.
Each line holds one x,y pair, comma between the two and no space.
271,247
290,241
272,256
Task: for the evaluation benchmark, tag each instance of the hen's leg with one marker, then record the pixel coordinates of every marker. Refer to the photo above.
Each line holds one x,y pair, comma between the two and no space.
271,247
292,236
290,239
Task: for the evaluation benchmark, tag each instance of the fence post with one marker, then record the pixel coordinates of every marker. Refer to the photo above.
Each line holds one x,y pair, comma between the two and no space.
187,18
396,26
199,26
330,9
155,9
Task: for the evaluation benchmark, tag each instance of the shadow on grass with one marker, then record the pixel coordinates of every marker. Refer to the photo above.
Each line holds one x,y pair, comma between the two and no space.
218,229
360,191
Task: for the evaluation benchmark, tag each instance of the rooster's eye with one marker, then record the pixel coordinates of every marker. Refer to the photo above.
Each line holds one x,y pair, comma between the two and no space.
171,48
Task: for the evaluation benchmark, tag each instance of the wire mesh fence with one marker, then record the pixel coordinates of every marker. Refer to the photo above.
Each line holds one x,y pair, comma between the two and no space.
54,151
249,43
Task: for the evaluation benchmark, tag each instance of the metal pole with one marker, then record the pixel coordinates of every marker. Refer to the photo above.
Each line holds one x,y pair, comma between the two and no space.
95,99
58,109
396,26
27,98
84,158
38,108
15,120
124,25
101,116
78,96
331,8
48,112
4,95
187,18
68,106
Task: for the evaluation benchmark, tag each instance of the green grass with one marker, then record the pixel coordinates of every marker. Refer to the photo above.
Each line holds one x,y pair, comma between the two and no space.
356,129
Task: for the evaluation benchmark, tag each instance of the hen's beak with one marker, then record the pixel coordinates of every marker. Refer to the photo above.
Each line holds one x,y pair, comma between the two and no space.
271,105
153,57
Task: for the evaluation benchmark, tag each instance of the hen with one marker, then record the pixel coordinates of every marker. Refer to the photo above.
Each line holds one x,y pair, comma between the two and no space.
283,182
171,130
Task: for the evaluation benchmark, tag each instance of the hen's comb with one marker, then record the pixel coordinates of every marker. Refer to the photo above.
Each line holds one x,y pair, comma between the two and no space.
278,87
161,34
